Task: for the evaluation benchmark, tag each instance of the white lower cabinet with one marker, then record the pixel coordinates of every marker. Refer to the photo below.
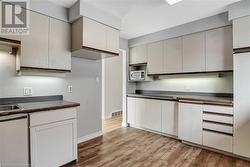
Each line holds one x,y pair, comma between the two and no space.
53,141
169,118
190,123
218,141
156,115
152,115
131,110
140,112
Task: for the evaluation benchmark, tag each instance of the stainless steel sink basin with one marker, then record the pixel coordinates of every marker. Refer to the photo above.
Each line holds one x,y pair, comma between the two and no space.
9,108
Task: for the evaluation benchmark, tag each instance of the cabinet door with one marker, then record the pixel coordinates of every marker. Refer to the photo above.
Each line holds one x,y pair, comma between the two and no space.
140,111
219,49
112,39
194,59
241,32
155,58
138,54
59,45
35,47
131,109
173,55
53,144
14,149
190,123
152,115
94,34
169,118
242,104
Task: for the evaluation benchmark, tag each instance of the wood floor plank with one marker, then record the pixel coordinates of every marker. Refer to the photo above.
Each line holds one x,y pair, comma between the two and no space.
129,147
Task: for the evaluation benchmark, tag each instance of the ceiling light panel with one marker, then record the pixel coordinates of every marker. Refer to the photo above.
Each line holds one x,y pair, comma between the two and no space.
172,2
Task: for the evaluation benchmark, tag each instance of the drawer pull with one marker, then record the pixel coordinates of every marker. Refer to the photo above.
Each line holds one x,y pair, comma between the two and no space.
214,131
220,123
215,113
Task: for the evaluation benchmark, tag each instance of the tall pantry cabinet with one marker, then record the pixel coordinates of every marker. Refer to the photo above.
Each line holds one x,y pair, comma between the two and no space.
241,34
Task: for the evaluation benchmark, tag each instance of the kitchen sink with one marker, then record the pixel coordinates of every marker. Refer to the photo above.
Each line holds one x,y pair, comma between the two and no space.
9,108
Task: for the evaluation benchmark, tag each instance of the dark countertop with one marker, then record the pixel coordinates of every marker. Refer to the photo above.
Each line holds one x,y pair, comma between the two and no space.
38,106
199,98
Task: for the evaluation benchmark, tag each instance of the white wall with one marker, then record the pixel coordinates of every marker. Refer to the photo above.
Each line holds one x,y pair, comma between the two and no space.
113,85
83,78
209,83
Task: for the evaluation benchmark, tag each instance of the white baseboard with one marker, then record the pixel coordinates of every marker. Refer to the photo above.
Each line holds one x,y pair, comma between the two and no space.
89,137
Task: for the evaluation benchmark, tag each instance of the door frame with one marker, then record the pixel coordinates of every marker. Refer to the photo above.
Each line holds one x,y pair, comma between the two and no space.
123,53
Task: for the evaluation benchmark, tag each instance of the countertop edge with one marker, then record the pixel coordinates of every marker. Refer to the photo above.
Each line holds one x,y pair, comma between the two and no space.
42,109
187,100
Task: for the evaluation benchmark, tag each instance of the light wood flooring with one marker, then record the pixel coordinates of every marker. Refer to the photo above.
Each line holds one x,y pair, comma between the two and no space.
111,124
129,147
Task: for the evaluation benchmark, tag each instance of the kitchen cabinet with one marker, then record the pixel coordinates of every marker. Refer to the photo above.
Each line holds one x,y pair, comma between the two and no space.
34,47
152,115
218,141
14,149
242,104
219,49
112,39
241,33
169,117
190,123
94,34
131,110
218,127
138,55
91,38
155,58
194,59
141,107
59,45
173,55
53,138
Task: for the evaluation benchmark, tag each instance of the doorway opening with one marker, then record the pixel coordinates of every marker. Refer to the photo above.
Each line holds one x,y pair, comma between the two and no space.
114,92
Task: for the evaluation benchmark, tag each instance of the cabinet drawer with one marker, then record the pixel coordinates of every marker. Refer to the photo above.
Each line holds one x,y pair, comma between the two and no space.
218,141
218,118
218,127
218,109
47,117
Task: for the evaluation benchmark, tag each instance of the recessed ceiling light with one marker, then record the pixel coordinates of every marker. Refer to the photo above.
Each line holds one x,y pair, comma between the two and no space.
172,2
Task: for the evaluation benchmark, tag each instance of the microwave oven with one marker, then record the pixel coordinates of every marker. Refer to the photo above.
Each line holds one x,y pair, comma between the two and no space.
137,75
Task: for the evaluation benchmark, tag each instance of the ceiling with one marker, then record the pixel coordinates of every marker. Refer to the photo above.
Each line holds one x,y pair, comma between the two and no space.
140,17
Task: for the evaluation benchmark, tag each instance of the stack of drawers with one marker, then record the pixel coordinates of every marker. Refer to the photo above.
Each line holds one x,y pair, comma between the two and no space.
218,127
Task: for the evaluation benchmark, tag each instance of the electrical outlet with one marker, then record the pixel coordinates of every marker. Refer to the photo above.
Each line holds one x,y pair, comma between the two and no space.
27,91
70,89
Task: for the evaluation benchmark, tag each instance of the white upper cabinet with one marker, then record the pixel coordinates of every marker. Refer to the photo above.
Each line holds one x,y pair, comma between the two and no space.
190,123
90,38
138,55
241,33
34,47
112,39
155,58
169,117
94,34
219,49
173,55
194,59
59,45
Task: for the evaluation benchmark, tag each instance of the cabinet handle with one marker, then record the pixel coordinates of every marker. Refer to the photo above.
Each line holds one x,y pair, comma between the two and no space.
215,113
214,131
